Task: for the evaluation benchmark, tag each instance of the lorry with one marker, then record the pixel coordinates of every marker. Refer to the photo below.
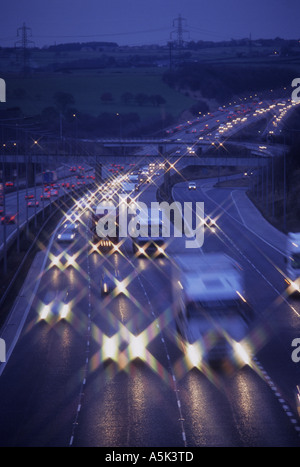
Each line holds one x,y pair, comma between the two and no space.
292,260
49,177
134,178
211,315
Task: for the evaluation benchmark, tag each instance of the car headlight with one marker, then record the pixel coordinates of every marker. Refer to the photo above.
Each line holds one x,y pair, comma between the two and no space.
193,354
45,312
65,311
295,286
121,288
242,353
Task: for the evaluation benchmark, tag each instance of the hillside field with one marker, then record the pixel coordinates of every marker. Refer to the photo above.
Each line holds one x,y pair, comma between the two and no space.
87,87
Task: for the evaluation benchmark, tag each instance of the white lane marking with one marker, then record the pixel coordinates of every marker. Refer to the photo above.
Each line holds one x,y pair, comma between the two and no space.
281,252
210,187
237,208
283,403
181,419
251,264
268,379
87,350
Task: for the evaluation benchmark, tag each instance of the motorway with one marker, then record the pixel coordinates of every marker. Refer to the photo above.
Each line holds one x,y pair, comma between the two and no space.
78,381
112,374
16,204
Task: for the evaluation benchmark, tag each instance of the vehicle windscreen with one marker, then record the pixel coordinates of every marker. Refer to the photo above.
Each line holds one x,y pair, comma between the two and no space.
214,309
68,230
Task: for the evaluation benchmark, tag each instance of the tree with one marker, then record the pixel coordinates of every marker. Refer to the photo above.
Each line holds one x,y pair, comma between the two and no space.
142,99
157,100
107,97
63,100
127,97
199,107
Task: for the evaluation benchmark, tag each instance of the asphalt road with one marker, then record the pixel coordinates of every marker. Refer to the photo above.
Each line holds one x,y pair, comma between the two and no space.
79,382
111,374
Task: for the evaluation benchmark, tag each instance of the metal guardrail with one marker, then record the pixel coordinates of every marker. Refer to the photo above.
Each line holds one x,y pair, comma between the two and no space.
12,237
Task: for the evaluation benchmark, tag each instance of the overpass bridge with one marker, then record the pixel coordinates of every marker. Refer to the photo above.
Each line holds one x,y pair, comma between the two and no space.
53,160
31,165
151,149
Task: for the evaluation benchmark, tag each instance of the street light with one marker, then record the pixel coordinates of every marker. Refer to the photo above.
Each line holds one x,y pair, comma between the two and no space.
118,115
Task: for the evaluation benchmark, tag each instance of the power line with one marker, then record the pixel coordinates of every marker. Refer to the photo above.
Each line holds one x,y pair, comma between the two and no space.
179,23
24,32
128,33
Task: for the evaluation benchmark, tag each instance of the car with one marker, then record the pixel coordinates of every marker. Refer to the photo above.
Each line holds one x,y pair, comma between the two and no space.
109,194
71,225
66,235
29,196
83,204
33,203
211,225
107,284
9,184
58,309
53,193
110,283
72,222
46,196
192,186
8,219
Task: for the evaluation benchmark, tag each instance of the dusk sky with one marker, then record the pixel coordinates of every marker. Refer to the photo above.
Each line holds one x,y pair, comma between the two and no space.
136,22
